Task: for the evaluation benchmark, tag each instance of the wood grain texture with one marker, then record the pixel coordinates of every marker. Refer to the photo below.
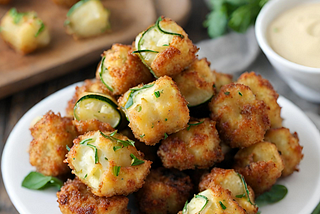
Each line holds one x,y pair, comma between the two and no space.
64,54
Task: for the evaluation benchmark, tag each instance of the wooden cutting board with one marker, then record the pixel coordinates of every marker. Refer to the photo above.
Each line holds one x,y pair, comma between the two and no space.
64,54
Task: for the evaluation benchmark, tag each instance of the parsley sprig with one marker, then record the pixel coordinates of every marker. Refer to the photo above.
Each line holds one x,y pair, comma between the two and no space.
238,15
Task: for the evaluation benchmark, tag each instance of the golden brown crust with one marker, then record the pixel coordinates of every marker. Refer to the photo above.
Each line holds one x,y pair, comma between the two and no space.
51,134
87,87
230,180
125,68
194,147
65,3
263,90
260,164
83,127
289,147
221,80
165,191
242,120
76,198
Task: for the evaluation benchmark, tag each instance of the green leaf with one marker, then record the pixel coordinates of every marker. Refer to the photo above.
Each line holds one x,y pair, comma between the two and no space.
316,210
111,137
42,27
36,180
222,205
135,161
157,94
115,148
216,22
133,92
116,170
277,193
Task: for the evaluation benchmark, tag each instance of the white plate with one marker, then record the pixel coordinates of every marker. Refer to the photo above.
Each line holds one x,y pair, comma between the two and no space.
304,187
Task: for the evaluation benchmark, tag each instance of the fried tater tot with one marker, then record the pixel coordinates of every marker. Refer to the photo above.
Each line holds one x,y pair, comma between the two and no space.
165,48
121,70
165,191
87,87
75,198
289,147
260,164
221,80
242,120
83,127
196,82
263,90
215,200
155,110
108,163
235,183
51,134
197,146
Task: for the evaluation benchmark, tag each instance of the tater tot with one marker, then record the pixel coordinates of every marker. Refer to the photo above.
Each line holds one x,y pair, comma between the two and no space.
108,163
121,70
51,135
263,90
165,48
242,120
165,191
196,83
235,183
87,87
221,80
260,164
155,110
24,32
76,198
197,146
215,200
289,147
83,127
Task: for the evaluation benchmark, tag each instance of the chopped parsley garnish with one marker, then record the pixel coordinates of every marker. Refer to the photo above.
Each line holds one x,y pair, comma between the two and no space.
142,135
214,86
111,137
157,94
42,27
227,93
240,93
135,161
116,170
166,119
16,16
106,158
185,208
222,205
115,148
85,176
68,148
205,198
85,143
193,124
241,196
133,92
166,45
165,135
75,6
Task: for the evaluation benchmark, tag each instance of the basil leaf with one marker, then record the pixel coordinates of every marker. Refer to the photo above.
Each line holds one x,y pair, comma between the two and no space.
276,193
135,161
36,180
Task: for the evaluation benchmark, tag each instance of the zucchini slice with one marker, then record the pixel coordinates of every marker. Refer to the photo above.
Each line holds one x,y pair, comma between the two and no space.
100,107
197,99
105,77
152,41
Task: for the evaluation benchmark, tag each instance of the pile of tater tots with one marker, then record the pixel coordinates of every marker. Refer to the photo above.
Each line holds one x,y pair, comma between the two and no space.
158,123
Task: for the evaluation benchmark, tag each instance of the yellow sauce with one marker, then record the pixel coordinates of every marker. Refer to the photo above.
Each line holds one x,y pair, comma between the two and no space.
295,35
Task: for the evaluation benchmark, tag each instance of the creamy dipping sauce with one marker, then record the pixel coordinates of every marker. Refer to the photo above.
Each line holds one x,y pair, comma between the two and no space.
295,35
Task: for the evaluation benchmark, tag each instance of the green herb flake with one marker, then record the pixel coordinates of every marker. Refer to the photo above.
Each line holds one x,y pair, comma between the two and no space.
135,161
165,136
157,94
276,193
95,150
240,93
106,158
133,92
206,201
68,148
276,30
115,148
166,119
142,135
185,208
16,16
85,176
111,137
241,196
222,205
227,93
138,108
193,124
41,28
116,170
166,45
214,85
36,180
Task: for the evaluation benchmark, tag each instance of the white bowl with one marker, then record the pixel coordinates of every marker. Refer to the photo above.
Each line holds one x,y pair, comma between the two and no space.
303,80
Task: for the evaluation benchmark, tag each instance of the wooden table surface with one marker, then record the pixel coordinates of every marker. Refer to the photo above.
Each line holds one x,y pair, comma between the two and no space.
12,108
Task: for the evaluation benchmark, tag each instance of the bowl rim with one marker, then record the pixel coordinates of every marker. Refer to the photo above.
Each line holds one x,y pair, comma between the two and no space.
262,40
